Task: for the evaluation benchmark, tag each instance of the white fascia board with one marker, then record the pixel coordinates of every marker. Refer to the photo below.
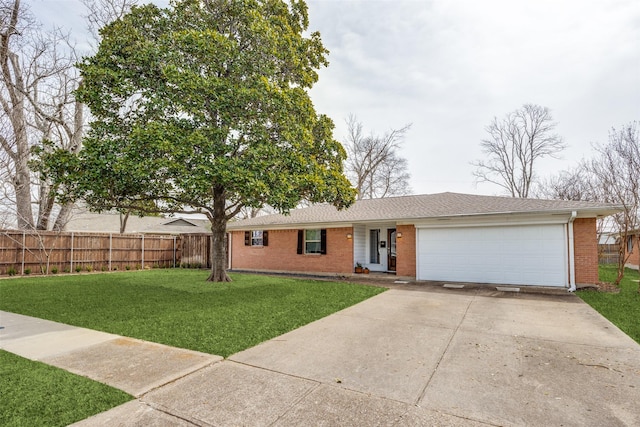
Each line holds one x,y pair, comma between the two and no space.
492,221
302,226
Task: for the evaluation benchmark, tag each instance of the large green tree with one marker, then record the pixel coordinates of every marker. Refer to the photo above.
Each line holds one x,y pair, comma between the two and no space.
203,106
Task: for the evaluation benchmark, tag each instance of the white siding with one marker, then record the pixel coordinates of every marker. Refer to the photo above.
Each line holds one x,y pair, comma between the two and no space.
359,244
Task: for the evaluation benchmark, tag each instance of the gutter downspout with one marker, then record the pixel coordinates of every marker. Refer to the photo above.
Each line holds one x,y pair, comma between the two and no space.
572,264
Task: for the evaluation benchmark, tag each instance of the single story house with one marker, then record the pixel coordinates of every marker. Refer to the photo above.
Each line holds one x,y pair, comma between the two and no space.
109,222
442,237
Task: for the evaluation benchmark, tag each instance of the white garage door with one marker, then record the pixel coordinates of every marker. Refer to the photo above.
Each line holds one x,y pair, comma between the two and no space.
519,255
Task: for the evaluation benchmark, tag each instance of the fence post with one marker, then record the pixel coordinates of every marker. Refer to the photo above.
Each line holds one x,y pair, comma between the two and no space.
174,251
23,243
142,265
71,259
110,248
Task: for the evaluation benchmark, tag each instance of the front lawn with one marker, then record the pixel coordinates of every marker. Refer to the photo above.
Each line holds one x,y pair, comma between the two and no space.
35,394
622,309
178,308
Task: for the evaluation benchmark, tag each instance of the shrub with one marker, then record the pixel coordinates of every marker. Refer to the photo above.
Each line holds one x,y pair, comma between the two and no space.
54,270
127,267
89,268
103,268
66,270
11,271
27,271
78,268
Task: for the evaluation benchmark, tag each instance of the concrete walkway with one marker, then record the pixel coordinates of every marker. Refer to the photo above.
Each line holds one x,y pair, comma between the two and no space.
412,356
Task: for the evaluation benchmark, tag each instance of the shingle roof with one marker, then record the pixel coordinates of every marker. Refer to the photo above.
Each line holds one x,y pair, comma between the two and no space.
423,207
110,223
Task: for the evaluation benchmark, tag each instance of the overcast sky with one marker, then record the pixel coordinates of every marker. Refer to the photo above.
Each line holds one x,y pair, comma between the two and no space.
449,66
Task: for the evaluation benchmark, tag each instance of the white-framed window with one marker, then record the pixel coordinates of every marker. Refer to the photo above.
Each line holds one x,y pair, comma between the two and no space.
257,238
630,244
312,241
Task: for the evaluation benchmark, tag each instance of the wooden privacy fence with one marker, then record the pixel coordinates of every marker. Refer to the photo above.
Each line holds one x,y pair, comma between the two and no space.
50,252
195,250
608,254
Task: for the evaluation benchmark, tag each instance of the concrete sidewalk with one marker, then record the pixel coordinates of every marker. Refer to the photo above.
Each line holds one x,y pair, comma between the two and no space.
131,365
404,357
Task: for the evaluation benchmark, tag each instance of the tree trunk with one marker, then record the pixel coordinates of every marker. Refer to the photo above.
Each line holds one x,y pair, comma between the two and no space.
218,237
123,221
63,217
22,186
14,105
622,259
45,205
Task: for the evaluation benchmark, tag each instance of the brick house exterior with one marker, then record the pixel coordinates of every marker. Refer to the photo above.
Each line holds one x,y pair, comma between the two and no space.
395,235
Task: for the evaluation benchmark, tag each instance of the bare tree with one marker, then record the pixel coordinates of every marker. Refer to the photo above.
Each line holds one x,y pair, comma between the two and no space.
515,144
373,164
14,139
616,171
40,111
573,184
577,184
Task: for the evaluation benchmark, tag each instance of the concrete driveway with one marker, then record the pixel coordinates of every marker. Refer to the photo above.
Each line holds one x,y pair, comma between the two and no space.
417,357
420,355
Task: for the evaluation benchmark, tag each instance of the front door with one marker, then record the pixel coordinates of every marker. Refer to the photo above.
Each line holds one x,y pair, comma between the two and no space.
391,249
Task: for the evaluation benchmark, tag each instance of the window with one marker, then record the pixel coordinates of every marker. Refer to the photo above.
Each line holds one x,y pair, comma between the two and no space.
374,243
312,241
630,244
256,238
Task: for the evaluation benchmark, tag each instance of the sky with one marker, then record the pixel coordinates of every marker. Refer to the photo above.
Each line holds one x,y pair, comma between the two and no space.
448,67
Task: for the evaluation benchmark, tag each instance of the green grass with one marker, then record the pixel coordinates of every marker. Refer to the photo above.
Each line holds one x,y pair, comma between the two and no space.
622,309
178,308
35,394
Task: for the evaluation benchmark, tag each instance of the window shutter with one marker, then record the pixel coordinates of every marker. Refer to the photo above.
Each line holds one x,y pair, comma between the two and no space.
323,241
247,238
265,238
300,241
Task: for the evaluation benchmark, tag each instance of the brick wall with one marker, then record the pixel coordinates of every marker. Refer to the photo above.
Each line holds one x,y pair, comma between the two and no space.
281,253
406,251
634,257
585,246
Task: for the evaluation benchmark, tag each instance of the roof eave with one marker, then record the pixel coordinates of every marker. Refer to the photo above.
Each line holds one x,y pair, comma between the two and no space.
587,212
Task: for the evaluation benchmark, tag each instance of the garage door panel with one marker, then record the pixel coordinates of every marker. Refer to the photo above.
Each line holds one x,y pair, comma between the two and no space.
522,255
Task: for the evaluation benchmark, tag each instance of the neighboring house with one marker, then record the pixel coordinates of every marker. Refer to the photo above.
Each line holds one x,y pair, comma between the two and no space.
442,237
632,248
110,223
609,247
608,238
